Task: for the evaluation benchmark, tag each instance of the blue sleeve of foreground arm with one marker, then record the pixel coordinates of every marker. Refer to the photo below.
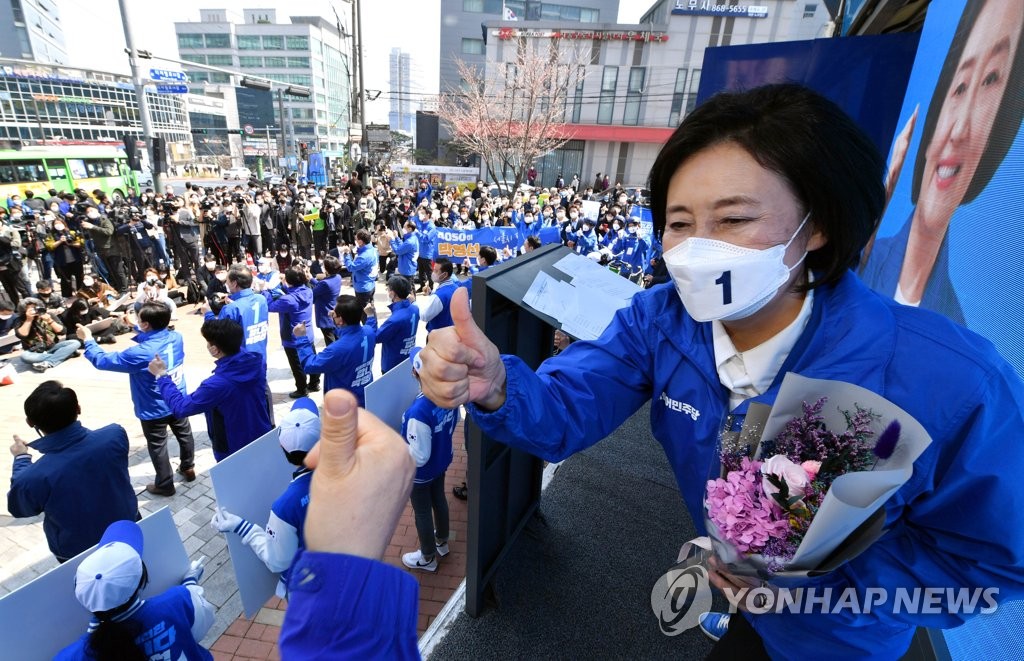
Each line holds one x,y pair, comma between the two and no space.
347,607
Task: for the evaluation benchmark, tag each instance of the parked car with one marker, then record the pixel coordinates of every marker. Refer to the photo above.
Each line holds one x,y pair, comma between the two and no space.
504,187
273,179
237,173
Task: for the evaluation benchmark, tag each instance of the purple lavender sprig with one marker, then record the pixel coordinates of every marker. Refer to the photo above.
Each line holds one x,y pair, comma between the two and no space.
887,441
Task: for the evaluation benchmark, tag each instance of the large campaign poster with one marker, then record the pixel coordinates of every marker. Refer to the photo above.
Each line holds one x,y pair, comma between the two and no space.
952,236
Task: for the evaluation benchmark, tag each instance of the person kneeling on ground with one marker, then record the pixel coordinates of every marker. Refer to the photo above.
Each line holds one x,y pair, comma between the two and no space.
40,336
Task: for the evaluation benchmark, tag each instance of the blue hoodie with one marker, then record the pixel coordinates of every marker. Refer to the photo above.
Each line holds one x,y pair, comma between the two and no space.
325,296
149,404
408,249
80,483
949,379
250,311
427,236
234,399
294,307
362,268
397,335
347,363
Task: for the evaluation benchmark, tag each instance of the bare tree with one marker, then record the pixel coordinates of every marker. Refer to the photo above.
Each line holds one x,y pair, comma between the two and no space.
516,112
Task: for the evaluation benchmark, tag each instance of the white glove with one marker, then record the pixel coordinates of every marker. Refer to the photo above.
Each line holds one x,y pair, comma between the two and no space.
194,573
225,521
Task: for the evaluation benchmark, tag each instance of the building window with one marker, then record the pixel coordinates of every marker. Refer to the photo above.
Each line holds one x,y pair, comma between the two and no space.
475,6
298,42
220,60
678,97
590,15
250,62
634,92
19,13
249,42
273,42
595,52
298,62
218,41
606,106
473,46
809,10
198,59
691,98
577,101
274,62
190,41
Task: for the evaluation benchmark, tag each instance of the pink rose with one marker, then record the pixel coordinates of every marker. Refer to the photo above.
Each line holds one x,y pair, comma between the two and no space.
792,474
811,468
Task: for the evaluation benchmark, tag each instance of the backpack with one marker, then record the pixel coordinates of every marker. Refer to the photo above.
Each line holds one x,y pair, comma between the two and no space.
196,291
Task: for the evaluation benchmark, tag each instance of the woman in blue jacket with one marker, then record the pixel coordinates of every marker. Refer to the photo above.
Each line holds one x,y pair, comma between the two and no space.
763,201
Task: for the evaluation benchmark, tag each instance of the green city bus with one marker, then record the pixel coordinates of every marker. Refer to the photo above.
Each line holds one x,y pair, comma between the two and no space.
65,168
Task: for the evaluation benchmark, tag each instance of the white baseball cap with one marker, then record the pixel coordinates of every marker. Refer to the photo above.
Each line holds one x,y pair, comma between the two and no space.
110,576
300,428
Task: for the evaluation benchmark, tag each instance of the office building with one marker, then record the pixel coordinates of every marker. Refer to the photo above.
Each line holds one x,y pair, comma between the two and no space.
403,109
32,30
309,52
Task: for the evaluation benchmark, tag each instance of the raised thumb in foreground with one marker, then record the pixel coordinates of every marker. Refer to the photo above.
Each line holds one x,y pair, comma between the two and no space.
335,452
462,318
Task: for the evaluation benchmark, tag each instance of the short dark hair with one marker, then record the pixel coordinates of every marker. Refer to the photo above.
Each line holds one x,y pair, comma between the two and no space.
364,236
490,254
534,241
155,313
51,407
400,285
349,310
44,284
332,265
830,164
1005,124
444,265
225,334
409,224
240,275
294,277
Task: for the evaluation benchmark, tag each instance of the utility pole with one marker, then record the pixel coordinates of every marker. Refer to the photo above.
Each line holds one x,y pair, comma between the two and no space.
284,136
140,94
362,90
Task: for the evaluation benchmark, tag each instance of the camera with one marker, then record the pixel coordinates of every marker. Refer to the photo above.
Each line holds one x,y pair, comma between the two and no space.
168,207
152,280
217,302
82,207
40,310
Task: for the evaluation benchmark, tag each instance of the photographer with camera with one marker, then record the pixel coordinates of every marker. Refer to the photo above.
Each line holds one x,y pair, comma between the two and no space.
65,243
131,224
153,288
184,230
11,276
101,229
40,336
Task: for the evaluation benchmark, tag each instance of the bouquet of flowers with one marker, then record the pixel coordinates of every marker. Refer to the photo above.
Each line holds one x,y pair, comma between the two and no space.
802,486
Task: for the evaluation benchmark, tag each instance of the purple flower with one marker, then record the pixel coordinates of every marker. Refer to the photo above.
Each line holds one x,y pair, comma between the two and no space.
740,510
887,440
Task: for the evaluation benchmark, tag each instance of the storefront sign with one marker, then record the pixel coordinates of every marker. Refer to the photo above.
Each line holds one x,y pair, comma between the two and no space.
593,35
711,8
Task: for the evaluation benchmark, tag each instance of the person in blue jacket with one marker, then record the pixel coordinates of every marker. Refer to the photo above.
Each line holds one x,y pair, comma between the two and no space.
325,292
397,335
154,339
425,193
294,305
428,430
343,602
585,240
764,200
363,268
434,308
279,542
233,398
407,249
632,249
80,484
426,234
124,625
348,362
247,308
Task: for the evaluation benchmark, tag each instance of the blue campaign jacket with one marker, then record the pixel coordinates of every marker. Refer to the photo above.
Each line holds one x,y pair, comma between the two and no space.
372,609
427,236
633,250
347,363
325,296
165,622
249,309
442,426
444,292
295,306
149,404
947,524
407,249
234,399
362,268
397,335
290,507
80,483
586,242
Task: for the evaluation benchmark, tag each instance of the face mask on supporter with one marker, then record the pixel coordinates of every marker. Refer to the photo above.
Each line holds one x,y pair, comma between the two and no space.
587,228
561,214
59,227
264,268
722,281
435,278
211,265
93,216
87,281
222,277
528,219
4,316
632,229
283,253
423,217
464,216
616,227
574,215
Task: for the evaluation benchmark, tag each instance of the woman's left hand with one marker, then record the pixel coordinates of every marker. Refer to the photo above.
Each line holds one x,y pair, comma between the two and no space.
737,589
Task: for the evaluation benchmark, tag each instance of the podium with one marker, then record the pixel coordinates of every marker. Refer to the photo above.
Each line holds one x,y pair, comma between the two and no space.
504,483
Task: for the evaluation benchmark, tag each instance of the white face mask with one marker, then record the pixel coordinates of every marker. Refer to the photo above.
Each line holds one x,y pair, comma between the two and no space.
59,227
222,277
632,230
264,268
616,227
87,282
434,278
721,281
5,316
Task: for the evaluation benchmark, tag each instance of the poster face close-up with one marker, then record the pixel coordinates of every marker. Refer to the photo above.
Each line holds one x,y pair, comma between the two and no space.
952,236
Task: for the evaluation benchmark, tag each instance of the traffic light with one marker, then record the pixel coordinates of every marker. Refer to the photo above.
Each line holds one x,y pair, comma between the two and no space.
199,131
238,131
